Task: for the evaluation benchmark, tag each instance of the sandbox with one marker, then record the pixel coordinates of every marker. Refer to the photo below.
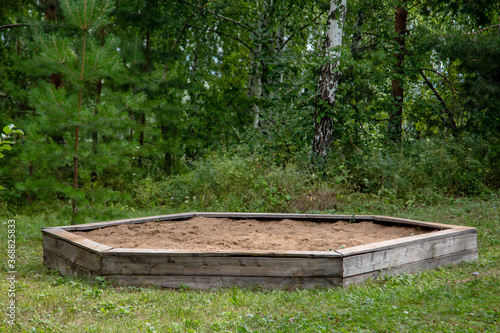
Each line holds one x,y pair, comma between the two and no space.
282,251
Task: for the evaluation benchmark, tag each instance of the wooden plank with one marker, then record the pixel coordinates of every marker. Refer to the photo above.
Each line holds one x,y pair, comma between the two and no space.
72,253
221,266
97,225
77,240
223,253
279,216
407,252
398,242
397,220
65,267
414,267
215,282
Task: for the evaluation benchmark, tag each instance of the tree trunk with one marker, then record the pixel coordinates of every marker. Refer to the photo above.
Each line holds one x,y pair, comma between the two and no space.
356,37
394,128
328,81
95,134
76,159
148,70
255,91
255,79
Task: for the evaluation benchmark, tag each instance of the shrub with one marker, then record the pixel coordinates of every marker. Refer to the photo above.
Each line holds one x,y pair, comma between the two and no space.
230,183
450,166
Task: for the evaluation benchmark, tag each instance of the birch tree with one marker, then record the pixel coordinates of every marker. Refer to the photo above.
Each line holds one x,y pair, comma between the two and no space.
328,79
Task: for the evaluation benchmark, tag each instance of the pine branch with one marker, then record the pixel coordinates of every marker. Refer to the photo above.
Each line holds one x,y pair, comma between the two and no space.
13,25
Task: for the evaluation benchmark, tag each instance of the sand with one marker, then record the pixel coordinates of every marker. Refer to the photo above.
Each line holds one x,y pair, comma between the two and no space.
211,234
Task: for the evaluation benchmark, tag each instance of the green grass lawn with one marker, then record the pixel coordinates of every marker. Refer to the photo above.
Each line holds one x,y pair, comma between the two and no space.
462,298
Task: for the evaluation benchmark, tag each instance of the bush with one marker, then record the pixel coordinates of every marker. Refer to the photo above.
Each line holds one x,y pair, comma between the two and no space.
448,166
224,182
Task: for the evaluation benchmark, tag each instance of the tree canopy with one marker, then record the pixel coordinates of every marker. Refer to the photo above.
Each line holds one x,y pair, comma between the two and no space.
109,92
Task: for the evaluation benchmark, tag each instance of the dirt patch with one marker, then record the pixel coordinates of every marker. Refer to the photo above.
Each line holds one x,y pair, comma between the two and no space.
209,234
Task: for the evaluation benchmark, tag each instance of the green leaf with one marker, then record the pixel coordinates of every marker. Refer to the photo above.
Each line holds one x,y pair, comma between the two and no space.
5,147
8,129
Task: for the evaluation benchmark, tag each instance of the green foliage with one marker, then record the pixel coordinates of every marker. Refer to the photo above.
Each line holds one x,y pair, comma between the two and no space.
423,169
230,183
5,142
476,57
74,123
164,84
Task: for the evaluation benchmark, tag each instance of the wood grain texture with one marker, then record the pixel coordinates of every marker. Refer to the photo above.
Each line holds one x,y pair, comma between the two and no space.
77,240
434,236
222,253
97,225
216,282
397,220
66,267
413,267
72,253
221,266
404,253
278,216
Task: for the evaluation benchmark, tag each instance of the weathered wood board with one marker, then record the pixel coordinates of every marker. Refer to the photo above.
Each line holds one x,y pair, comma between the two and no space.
214,282
368,258
413,267
221,266
77,256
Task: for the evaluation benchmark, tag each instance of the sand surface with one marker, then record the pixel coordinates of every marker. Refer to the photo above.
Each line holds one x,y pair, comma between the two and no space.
209,234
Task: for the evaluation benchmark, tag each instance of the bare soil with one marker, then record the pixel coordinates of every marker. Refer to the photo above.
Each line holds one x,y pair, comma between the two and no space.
209,234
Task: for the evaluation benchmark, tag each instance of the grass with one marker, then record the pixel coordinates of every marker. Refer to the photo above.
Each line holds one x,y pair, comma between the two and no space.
461,298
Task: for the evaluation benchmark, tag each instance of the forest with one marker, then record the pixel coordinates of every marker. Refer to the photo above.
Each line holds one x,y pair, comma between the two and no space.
140,108
247,105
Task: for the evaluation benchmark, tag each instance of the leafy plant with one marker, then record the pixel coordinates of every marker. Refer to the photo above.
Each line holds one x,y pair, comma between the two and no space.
5,141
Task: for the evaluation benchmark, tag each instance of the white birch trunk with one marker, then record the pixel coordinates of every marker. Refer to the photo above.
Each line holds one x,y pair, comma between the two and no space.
329,76
336,18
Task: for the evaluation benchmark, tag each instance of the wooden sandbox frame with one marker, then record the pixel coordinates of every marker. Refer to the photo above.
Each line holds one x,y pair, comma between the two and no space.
74,255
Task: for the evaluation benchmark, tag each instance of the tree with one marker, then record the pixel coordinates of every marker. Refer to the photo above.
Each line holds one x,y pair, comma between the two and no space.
77,109
394,126
328,79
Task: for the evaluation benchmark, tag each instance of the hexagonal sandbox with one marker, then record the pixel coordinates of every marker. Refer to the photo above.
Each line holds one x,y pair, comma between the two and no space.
72,255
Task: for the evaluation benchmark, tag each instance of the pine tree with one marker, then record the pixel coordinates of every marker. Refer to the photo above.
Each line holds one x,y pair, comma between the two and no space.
80,110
